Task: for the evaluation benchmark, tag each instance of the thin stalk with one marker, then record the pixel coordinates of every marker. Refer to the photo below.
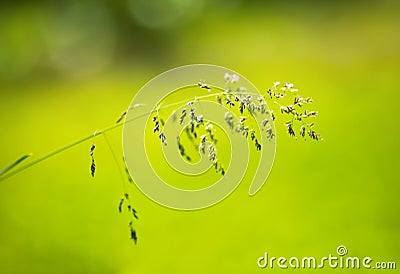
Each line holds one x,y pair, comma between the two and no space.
116,161
6,173
17,162
62,149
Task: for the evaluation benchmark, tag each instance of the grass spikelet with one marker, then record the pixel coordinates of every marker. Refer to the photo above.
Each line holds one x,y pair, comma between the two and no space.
92,148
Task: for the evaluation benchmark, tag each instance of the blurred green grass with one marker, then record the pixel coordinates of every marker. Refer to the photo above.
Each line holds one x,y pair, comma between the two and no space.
344,190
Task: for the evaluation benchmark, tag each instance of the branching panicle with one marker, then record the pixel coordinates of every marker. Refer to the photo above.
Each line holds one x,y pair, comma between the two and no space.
202,133
295,110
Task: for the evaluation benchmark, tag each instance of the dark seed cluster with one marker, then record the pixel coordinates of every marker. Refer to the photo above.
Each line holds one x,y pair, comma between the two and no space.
182,150
93,165
194,124
295,110
158,124
203,84
248,106
126,204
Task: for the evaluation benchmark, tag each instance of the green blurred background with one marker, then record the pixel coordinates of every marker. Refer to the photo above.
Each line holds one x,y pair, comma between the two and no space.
68,68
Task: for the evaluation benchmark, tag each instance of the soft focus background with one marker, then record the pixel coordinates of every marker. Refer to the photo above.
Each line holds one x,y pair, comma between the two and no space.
68,68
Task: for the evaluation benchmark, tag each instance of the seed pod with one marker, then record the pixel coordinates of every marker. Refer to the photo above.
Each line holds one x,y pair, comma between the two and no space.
120,205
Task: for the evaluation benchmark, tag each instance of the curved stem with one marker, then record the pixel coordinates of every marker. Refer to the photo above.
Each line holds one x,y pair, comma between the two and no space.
62,149
6,173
